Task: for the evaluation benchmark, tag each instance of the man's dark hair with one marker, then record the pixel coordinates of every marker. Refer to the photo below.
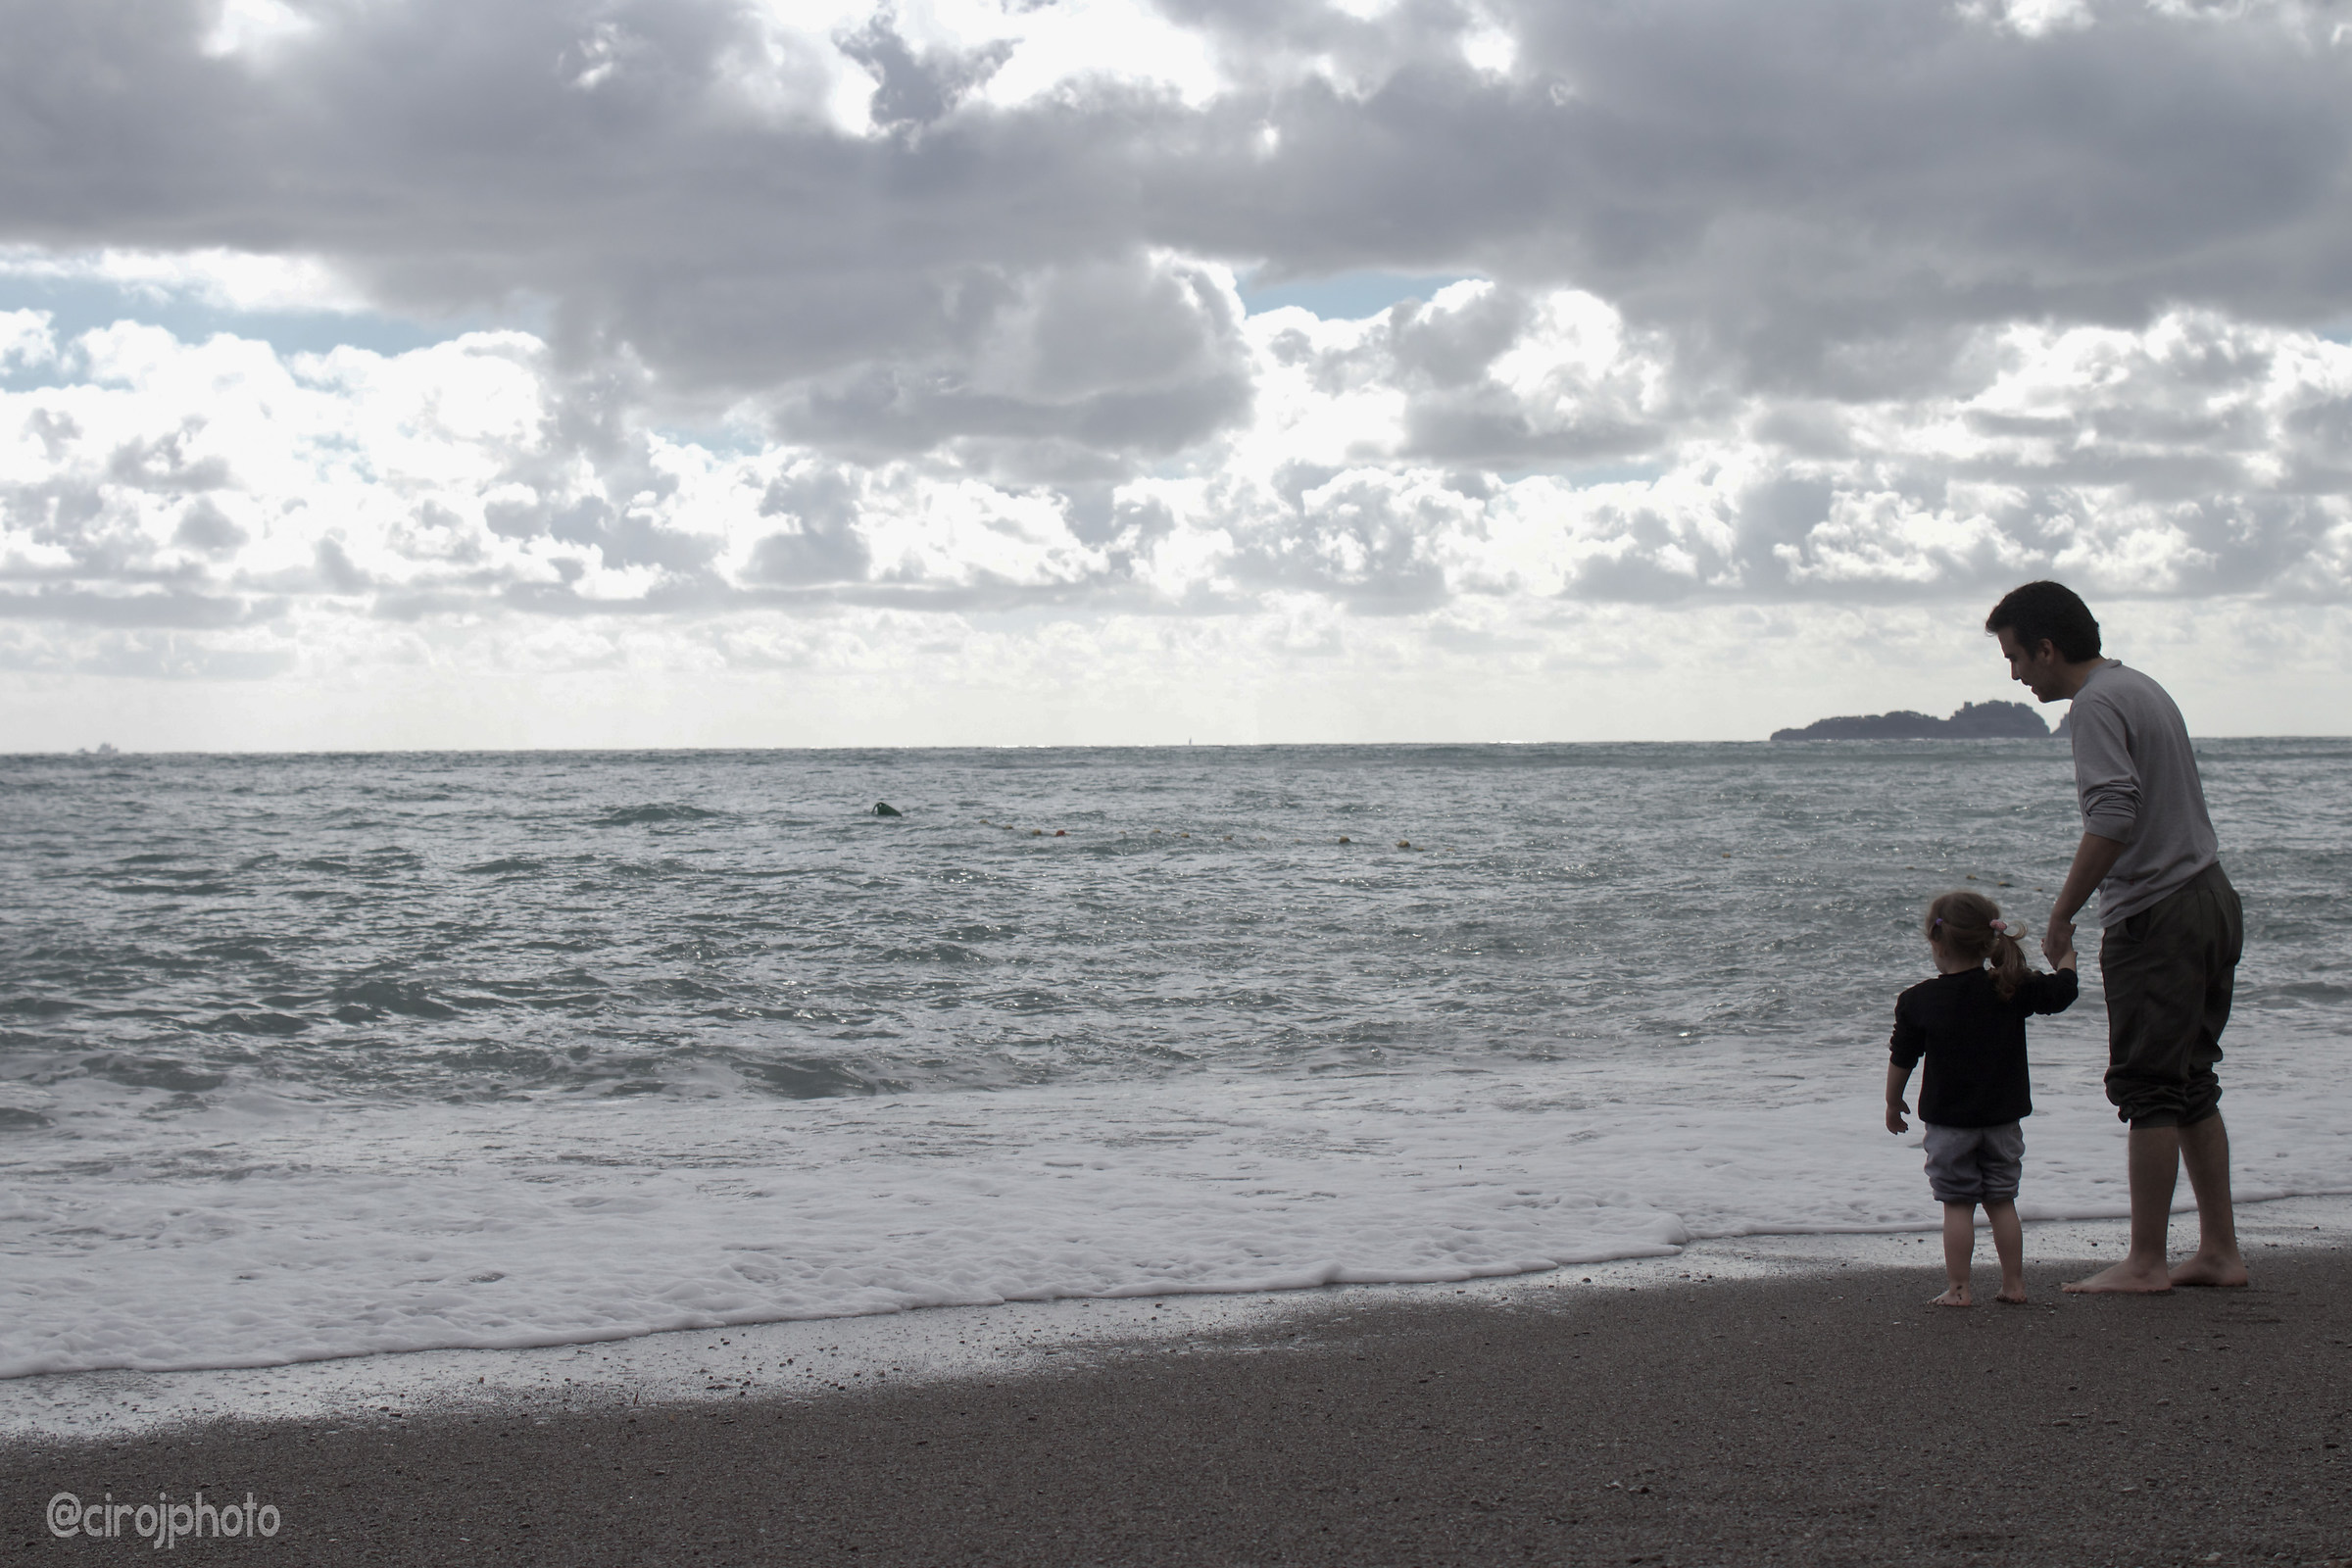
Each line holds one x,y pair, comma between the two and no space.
2048,609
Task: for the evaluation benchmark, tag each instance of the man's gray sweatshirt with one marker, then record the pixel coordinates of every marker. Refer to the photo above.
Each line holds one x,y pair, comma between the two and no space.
2136,776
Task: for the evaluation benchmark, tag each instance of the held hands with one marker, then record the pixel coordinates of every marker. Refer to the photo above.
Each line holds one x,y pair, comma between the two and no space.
2058,941
1894,1117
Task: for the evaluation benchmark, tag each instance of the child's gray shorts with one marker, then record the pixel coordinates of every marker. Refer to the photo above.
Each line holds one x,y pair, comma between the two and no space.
1974,1164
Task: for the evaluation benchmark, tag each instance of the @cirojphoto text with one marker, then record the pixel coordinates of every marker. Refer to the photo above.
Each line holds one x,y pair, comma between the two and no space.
162,1523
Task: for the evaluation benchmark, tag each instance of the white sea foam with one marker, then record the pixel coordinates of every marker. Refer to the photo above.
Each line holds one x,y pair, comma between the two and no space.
282,1232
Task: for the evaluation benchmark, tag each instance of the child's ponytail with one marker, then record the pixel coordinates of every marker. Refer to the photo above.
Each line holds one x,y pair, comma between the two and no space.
2008,957
1970,924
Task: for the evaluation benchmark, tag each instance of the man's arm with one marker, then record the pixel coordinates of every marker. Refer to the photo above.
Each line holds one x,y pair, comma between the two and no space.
2107,784
2094,858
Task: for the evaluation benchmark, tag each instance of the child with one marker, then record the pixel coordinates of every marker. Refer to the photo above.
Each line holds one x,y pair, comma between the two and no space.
1969,1023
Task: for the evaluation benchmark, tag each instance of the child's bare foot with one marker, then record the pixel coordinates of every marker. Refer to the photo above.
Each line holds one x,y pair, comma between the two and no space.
2012,1295
1957,1296
2128,1277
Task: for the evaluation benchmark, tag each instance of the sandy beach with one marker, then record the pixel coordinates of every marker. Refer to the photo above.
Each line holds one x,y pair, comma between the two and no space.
1624,1414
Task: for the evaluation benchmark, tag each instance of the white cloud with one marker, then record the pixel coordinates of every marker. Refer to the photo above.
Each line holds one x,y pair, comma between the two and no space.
214,277
2031,19
1055,48
1492,49
25,339
253,27
221,484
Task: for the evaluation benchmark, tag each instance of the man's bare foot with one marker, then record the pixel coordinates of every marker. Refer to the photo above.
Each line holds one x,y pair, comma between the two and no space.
1957,1296
2126,1278
2211,1269
2011,1298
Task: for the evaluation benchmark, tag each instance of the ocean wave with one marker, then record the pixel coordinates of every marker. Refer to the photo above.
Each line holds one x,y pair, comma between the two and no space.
642,816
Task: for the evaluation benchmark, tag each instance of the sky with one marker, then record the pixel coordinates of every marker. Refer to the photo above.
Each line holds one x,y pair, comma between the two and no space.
422,374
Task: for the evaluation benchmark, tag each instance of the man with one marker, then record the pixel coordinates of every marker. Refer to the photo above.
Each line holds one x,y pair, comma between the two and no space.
2171,928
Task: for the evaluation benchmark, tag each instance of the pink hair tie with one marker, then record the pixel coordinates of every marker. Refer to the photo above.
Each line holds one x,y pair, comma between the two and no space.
2002,926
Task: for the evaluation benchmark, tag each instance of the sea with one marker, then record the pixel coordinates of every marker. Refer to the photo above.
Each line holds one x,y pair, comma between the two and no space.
306,1057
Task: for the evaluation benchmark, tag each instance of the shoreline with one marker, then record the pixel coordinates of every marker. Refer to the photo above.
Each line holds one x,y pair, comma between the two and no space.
799,1358
1765,1406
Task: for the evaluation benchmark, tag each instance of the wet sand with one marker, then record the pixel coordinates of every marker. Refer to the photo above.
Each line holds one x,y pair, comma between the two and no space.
1831,1418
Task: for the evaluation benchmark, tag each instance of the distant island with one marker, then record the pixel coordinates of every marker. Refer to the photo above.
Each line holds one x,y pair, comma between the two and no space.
1975,721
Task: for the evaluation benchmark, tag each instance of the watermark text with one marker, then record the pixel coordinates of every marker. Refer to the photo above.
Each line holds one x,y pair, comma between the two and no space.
163,1524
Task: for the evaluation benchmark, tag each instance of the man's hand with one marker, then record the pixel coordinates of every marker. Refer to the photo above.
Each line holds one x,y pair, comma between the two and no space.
2057,939
1894,1117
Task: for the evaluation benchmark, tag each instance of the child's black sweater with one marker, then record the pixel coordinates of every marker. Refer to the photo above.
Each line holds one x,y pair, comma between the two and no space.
1975,1043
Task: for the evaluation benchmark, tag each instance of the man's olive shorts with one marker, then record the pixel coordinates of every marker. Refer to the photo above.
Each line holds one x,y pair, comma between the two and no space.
2169,971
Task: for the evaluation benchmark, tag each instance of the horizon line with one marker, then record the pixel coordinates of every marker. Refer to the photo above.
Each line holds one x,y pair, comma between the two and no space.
121,754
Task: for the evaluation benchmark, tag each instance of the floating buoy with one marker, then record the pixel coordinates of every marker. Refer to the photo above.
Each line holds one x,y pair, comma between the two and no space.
1343,838
885,809
1404,844
1185,835
1061,832
1037,832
